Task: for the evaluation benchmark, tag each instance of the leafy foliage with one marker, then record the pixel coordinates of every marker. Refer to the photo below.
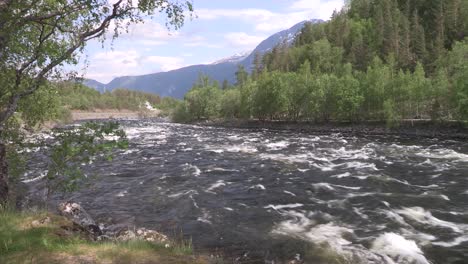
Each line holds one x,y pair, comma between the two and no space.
77,146
37,38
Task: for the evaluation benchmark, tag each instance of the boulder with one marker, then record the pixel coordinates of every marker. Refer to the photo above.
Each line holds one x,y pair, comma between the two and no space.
144,235
80,217
75,213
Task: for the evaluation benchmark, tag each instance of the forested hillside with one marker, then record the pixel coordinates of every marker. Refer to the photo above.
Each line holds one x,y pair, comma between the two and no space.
374,60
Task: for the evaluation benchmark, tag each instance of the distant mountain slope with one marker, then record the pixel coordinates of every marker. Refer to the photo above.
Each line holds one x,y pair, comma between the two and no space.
94,84
177,82
269,43
174,83
236,58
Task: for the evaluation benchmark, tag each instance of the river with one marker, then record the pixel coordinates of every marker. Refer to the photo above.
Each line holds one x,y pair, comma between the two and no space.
262,196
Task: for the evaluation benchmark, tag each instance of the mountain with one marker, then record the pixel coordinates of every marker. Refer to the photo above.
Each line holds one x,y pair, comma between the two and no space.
236,58
94,84
177,82
287,35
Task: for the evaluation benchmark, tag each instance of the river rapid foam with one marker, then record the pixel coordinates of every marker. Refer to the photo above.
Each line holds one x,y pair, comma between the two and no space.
263,196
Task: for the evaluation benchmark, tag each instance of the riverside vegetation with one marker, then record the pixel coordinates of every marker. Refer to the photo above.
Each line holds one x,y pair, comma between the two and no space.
80,97
75,96
61,98
386,60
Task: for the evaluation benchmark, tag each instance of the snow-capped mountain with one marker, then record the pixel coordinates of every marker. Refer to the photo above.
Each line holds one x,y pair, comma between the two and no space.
238,57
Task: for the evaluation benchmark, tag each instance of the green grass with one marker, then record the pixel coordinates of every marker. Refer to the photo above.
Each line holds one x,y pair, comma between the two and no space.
58,242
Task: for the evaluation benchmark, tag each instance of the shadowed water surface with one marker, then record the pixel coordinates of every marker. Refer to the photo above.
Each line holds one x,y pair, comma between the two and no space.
263,196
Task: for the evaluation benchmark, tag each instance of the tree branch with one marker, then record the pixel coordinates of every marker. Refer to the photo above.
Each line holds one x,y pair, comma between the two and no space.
77,41
82,38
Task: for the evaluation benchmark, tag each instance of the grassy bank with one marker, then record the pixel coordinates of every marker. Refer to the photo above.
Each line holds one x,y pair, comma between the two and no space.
48,238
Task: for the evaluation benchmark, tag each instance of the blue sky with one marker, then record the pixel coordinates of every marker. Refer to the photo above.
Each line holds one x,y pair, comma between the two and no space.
220,29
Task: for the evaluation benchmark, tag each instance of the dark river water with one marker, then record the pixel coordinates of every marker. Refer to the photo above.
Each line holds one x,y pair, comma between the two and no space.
273,196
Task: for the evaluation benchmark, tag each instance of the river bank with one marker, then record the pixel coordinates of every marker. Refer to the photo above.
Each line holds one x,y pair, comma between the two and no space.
411,128
100,114
43,237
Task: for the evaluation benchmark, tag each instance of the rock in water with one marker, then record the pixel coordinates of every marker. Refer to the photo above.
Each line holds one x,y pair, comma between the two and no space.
143,234
80,217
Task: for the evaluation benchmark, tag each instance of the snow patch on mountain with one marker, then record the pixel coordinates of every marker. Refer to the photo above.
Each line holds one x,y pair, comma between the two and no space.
238,57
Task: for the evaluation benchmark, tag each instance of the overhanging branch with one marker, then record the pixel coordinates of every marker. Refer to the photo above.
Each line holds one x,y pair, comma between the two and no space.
80,40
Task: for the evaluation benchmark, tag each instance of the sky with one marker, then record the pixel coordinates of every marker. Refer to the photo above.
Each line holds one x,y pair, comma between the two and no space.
219,29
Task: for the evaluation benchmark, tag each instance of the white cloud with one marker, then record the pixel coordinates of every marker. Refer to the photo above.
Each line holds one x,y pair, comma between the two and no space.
305,4
299,11
282,21
243,40
166,63
149,33
246,14
108,65
267,21
199,41
322,9
151,30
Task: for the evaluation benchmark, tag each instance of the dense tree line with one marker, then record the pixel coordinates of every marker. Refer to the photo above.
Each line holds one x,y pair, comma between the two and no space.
374,60
79,97
58,100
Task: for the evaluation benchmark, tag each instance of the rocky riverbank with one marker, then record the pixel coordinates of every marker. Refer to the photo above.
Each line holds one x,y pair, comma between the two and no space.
410,128
73,237
98,232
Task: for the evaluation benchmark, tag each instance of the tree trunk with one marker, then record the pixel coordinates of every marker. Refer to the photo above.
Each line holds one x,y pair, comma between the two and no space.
3,174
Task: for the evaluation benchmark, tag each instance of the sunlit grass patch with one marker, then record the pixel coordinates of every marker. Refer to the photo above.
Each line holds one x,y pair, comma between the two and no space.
46,238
